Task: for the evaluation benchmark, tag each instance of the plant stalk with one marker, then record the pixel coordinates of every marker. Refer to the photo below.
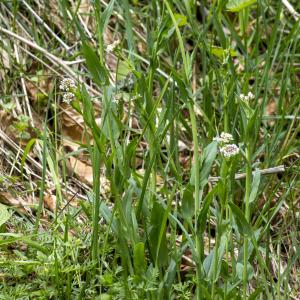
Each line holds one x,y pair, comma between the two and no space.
197,196
247,216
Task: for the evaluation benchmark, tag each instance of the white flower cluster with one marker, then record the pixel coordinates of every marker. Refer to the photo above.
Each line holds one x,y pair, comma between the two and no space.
68,97
116,98
111,47
248,97
136,97
68,85
223,138
228,150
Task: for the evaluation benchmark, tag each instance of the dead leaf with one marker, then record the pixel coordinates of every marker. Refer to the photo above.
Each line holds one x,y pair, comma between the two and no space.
141,48
21,205
72,124
271,108
84,172
81,170
50,201
6,120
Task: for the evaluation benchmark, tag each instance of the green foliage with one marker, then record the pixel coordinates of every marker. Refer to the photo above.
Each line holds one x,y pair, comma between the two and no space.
4,214
166,217
237,5
96,69
21,127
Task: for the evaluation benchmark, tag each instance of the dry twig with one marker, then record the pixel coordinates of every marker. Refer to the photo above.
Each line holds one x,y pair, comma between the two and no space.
274,170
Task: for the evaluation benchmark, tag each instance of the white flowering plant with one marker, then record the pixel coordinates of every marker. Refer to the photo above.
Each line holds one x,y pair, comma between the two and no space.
224,138
227,149
150,156
69,91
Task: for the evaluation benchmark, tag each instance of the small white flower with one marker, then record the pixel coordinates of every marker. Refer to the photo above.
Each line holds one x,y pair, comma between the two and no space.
68,97
248,97
223,138
67,84
230,150
226,136
111,47
136,97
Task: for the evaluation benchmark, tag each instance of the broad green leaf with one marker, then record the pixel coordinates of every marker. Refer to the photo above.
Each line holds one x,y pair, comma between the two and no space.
97,71
208,158
89,118
123,69
139,260
180,83
4,214
88,110
202,219
144,186
251,125
163,227
159,252
109,125
240,270
188,202
248,111
170,274
255,186
26,151
129,158
221,53
181,19
109,218
243,226
208,263
237,5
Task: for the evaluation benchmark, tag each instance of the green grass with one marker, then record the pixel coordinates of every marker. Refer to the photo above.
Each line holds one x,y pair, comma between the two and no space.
152,208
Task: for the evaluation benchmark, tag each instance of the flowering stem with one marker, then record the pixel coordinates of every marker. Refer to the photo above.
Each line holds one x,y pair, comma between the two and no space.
197,196
227,219
247,215
226,114
151,135
216,253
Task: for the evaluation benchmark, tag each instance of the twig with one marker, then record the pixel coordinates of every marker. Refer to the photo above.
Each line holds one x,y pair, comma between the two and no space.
13,145
280,117
54,59
274,170
41,21
41,49
291,9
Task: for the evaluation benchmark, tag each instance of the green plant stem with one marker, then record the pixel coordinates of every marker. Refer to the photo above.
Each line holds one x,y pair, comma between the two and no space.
227,214
247,215
216,254
96,204
152,136
197,196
